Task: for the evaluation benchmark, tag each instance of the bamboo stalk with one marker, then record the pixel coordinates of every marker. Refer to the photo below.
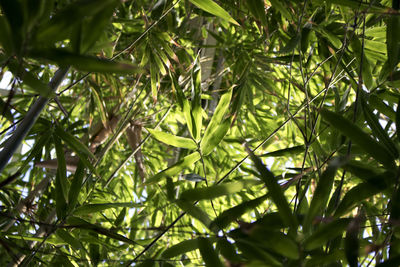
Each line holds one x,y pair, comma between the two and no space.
29,120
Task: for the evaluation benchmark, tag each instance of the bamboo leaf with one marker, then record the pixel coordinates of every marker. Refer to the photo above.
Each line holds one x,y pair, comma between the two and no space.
175,169
377,130
61,180
289,152
232,214
93,208
70,239
215,129
183,247
194,211
81,150
172,140
216,190
213,8
359,137
275,191
208,143
208,253
76,186
83,62
322,193
325,233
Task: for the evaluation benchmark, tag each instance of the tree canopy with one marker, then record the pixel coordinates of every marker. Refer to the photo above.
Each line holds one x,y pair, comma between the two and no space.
199,132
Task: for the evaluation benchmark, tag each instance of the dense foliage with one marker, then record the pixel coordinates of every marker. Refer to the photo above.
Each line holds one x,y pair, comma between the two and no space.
173,132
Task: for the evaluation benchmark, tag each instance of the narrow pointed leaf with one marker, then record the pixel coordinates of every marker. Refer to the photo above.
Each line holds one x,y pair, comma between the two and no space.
321,194
325,233
76,185
378,131
81,150
290,152
70,239
213,8
275,191
194,211
232,214
359,137
209,142
176,168
173,140
92,208
84,63
182,247
216,190
208,253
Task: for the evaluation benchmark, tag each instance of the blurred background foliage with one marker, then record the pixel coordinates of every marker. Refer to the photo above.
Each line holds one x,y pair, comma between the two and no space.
200,132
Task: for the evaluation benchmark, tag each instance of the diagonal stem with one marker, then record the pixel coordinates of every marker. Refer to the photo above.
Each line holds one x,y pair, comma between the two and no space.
29,120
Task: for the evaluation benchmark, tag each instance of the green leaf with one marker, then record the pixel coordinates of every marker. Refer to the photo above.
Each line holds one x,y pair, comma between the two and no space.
61,180
6,36
70,239
76,186
216,190
59,26
361,192
173,140
208,253
209,142
176,168
213,8
215,129
359,137
196,110
276,4
93,208
356,5
83,62
232,214
183,247
325,233
286,152
194,211
275,191
276,241
377,129
393,41
30,79
228,250
321,194
80,149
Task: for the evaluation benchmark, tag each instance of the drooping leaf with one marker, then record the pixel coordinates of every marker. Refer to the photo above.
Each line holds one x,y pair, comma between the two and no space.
377,130
325,233
83,62
321,195
275,191
194,211
234,213
208,253
81,150
61,180
359,137
76,186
